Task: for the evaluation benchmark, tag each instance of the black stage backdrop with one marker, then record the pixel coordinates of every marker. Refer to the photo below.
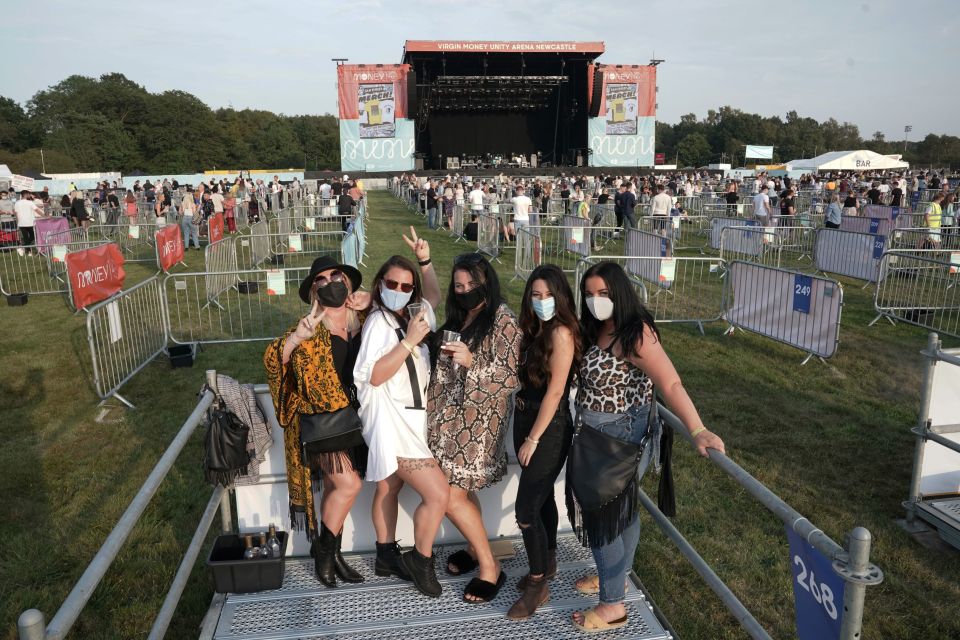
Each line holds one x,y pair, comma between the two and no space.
460,134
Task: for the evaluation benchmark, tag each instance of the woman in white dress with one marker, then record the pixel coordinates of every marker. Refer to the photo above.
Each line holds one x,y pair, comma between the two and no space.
391,375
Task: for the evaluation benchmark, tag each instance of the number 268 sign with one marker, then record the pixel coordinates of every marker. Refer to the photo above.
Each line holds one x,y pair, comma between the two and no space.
817,590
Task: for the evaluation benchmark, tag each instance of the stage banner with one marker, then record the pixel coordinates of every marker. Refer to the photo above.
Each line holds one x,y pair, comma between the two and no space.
623,135
216,228
758,151
169,246
376,133
95,274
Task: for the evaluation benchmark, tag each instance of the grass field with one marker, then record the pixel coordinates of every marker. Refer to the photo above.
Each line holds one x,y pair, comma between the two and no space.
832,440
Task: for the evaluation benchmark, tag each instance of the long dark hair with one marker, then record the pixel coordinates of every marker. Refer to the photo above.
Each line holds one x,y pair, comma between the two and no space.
629,315
482,272
406,265
537,343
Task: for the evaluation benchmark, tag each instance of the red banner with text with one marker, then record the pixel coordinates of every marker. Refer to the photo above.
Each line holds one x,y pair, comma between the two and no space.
216,228
382,83
642,81
95,274
169,246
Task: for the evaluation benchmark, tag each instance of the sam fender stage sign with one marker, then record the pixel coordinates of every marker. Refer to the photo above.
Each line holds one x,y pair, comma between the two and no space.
623,134
376,133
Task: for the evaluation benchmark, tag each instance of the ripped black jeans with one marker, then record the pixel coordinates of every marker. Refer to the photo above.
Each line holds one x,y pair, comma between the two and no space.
536,507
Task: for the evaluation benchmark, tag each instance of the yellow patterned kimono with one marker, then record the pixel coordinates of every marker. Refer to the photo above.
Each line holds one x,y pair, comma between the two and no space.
308,383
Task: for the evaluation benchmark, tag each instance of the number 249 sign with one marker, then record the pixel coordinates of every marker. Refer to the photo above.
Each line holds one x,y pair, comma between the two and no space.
817,590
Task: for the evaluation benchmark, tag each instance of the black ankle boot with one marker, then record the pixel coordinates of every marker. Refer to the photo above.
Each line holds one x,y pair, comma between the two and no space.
388,561
324,551
423,572
344,571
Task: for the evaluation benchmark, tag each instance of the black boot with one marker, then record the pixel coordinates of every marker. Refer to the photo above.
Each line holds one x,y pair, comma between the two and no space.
423,572
344,571
324,552
388,561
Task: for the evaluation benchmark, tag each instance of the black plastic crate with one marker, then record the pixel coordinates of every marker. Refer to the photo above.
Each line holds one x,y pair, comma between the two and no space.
17,299
234,574
181,355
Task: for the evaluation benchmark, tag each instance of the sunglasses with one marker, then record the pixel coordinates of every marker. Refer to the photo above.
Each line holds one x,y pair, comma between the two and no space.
322,281
406,287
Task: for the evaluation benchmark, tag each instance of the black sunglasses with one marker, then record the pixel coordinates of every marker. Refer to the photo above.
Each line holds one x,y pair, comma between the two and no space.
406,287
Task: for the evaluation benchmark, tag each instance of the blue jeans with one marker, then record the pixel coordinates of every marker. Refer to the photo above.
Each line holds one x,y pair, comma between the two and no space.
615,559
189,231
432,218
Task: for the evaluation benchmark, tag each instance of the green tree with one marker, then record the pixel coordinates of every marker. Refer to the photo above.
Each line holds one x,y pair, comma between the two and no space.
694,150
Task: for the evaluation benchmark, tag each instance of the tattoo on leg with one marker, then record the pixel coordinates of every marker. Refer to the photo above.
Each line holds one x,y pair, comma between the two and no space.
416,464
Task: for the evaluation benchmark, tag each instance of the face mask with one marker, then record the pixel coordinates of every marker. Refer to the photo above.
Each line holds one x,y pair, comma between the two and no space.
600,308
333,295
544,308
394,300
471,299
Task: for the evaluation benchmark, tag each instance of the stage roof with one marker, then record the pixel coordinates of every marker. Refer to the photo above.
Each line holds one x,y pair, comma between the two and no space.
501,46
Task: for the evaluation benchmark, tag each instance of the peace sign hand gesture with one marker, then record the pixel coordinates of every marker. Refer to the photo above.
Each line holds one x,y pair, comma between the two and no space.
308,323
419,245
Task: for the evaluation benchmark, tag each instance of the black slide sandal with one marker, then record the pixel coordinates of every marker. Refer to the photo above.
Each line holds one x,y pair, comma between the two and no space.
482,590
463,561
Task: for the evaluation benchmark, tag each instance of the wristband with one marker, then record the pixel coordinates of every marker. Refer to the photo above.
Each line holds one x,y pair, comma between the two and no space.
531,440
424,263
406,345
697,431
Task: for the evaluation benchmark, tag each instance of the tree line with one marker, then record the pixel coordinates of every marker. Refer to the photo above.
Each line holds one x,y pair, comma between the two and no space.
114,124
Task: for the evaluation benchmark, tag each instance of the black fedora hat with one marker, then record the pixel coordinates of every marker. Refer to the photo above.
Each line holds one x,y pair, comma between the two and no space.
324,263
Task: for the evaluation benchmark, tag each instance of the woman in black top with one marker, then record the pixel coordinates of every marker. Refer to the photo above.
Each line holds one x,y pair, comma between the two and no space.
542,427
78,210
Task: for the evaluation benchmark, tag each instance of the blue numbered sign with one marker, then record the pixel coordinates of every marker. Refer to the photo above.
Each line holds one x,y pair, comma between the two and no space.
663,247
874,225
817,591
802,292
878,244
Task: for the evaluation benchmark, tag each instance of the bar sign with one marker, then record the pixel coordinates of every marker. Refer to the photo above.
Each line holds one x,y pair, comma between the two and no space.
802,292
878,244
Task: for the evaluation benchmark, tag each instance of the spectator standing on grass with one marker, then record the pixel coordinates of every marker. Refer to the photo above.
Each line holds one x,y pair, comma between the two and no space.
660,206
933,219
230,211
874,194
896,194
761,206
850,205
833,213
26,212
190,222
78,210
476,199
345,204
433,219
217,198
626,202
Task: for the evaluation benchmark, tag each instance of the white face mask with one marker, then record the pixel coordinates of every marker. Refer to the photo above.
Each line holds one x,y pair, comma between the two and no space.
394,300
544,308
600,308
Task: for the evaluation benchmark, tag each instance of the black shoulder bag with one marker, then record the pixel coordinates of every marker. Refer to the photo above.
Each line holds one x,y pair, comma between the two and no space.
225,446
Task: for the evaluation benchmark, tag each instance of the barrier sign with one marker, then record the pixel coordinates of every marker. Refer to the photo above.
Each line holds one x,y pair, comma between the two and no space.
802,290
169,246
874,225
95,274
216,228
817,591
276,283
878,245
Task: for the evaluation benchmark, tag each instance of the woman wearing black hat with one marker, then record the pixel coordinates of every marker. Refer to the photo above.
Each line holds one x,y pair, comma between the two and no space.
310,372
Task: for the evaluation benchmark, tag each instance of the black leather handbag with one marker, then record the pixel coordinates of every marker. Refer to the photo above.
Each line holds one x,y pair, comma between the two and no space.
330,431
225,447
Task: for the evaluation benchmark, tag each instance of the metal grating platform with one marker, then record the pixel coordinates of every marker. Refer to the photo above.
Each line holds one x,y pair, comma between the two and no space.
944,515
387,608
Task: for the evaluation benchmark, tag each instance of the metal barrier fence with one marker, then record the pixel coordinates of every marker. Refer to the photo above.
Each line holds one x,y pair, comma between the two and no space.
796,309
684,290
125,333
488,235
261,306
218,258
920,238
537,245
848,253
867,225
771,246
921,288
718,224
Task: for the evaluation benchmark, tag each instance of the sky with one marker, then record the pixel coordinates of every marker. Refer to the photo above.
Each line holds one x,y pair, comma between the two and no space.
880,65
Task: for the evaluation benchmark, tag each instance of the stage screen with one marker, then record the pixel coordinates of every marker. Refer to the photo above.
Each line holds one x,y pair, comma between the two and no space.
376,133
623,134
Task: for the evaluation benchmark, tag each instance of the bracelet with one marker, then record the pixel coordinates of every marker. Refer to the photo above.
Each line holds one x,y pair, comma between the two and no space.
697,431
406,345
531,440
424,263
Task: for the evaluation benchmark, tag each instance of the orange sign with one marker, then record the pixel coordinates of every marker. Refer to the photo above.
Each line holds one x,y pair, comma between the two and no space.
95,274
169,246
350,77
216,228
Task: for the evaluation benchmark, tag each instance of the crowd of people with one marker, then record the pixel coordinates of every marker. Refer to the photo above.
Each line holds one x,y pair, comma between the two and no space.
373,386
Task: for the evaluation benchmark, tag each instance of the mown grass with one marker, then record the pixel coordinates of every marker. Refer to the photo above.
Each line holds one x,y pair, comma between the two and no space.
833,440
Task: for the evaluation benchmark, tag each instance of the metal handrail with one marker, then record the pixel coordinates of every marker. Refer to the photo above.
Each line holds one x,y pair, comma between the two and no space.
31,624
852,565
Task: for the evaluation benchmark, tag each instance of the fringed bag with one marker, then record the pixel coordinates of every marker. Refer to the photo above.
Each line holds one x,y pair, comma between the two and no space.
225,447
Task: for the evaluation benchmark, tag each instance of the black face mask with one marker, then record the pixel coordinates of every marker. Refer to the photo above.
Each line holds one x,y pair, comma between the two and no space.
472,298
333,295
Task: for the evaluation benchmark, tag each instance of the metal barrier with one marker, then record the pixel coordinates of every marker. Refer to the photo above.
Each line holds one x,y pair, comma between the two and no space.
919,238
125,333
718,224
867,225
685,290
771,246
262,305
488,235
848,253
640,244
921,288
851,564
31,624
796,309
537,245
218,258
